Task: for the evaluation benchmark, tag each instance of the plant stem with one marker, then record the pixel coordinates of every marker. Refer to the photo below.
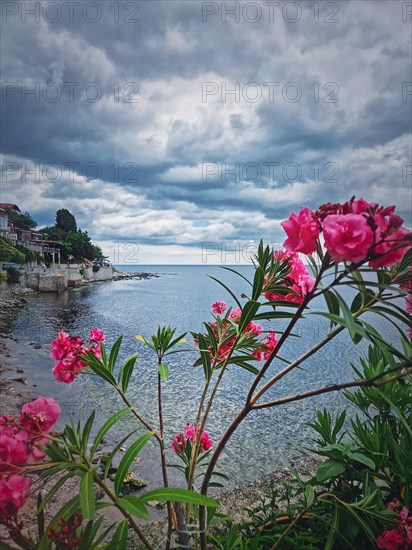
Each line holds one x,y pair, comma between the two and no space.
338,387
127,515
137,415
171,519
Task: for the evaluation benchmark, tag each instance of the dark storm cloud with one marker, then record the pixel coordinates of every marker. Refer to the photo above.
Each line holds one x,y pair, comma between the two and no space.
178,89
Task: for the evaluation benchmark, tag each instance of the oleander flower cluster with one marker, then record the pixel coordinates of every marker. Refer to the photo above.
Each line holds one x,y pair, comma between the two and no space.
226,335
68,351
355,231
179,442
297,281
20,446
399,538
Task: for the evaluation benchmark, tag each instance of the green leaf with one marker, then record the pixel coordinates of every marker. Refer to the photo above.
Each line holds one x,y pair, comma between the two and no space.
99,369
119,540
351,324
52,492
127,370
128,458
205,356
134,506
163,371
228,289
114,453
333,530
309,496
114,353
106,427
363,459
332,302
86,431
87,496
179,495
330,468
248,313
258,283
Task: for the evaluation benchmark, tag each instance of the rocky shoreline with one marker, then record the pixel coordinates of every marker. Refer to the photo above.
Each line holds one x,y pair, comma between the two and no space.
125,275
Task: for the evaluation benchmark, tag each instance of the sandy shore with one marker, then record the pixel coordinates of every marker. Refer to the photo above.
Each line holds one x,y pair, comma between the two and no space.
17,388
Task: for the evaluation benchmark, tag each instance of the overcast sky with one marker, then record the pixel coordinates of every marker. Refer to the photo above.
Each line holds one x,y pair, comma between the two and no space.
175,131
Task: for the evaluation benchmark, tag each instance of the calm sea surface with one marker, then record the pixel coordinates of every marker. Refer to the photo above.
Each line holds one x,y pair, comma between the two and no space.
182,296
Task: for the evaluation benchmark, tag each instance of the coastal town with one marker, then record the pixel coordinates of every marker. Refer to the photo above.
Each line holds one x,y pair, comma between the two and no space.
44,267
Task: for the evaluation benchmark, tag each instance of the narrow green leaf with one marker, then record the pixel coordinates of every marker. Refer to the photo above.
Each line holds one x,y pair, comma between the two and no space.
86,431
205,356
127,371
134,506
114,353
258,281
228,289
114,453
163,371
179,495
119,539
50,494
106,427
128,459
103,373
333,530
309,496
248,313
87,496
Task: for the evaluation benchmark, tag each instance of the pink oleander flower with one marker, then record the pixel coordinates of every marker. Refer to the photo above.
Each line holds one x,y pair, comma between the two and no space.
206,442
60,346
219,307
399,538
13,447
347,237
269,344
302,230
392,249
13,493
66,371
97,335
179,441
68,350
390,540
40,415
298,279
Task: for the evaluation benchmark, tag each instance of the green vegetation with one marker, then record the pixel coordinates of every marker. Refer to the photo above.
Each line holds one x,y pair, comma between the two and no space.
367,465
74,243
13,275
22,221
10,253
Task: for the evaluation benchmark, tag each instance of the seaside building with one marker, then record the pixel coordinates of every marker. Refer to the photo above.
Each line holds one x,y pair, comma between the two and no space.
48,250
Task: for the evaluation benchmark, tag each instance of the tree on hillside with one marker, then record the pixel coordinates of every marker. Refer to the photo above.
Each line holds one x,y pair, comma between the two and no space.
22,221
65,220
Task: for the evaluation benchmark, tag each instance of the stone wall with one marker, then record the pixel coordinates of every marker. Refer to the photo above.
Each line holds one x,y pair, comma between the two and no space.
57,280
